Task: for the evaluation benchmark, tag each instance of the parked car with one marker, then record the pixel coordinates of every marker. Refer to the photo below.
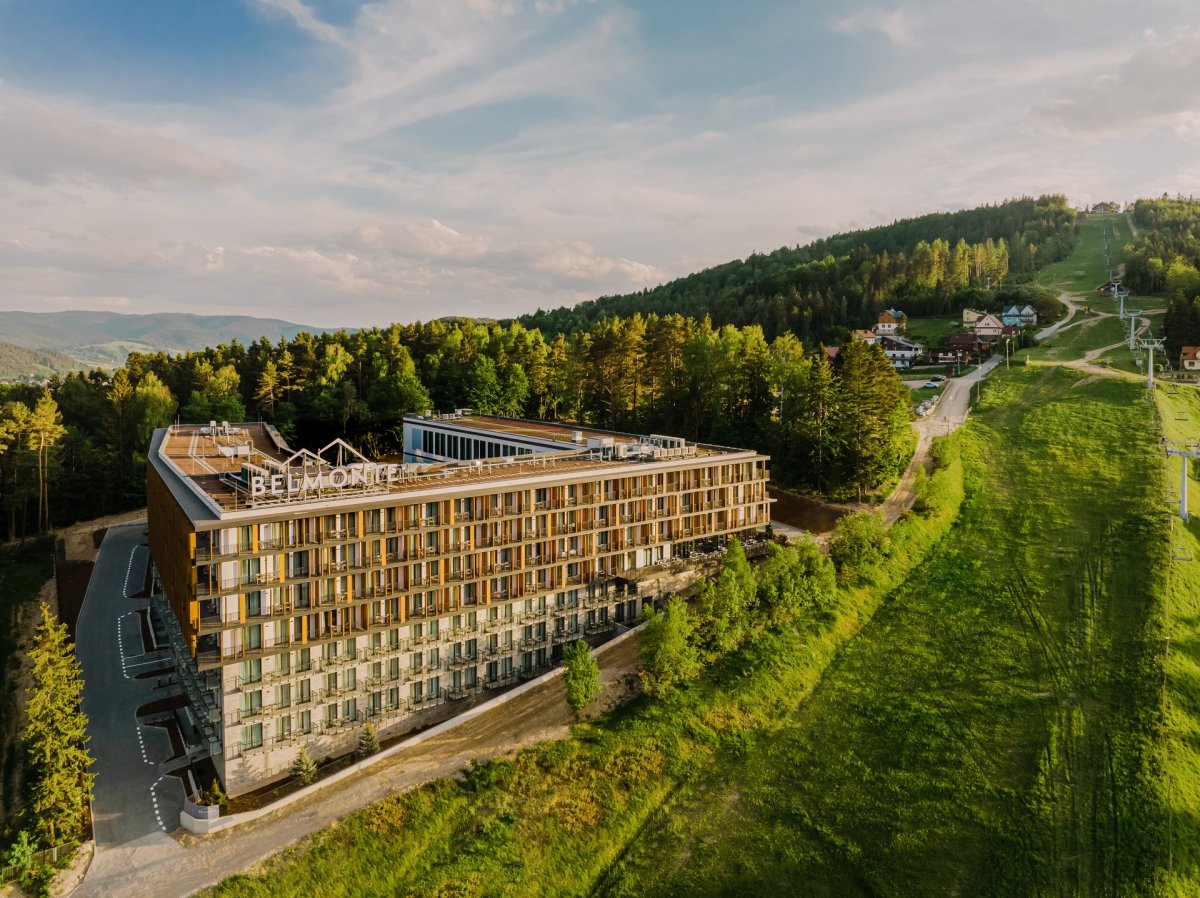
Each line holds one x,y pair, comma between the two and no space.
931,384
937,378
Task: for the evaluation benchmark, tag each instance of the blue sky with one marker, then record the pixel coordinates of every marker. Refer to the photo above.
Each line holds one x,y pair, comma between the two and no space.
342,163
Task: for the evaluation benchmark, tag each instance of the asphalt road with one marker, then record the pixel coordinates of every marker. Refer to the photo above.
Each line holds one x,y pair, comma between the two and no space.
135,805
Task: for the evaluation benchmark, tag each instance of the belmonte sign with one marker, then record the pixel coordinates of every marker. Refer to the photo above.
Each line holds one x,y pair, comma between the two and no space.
301,484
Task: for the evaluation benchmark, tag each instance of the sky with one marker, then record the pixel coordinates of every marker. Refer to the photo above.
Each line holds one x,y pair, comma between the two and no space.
337,163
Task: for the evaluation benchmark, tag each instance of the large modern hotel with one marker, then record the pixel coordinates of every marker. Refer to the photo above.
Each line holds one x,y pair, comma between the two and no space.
309,592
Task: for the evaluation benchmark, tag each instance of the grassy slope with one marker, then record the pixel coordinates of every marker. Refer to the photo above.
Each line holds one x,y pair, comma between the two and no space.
558,819
960,745
1180,408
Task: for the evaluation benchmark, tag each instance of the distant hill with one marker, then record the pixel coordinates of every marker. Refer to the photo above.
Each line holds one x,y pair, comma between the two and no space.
20,363
930,265
107,338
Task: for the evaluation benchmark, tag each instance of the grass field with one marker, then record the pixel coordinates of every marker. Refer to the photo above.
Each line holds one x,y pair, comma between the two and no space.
1083,271
989,733
1180,411
1077,339
932,331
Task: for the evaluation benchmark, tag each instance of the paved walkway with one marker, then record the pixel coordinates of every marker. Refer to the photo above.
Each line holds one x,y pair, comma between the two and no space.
950,414
135,803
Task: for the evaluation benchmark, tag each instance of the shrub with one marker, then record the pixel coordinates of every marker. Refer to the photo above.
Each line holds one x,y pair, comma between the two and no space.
860,544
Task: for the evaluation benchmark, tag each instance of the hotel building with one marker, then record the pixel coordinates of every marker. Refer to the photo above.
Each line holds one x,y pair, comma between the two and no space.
308,592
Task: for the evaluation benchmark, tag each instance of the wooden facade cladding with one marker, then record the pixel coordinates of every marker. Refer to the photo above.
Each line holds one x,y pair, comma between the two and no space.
337,573
172,538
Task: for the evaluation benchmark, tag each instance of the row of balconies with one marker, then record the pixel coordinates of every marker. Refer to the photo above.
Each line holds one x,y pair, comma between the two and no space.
208,658
332,536
405,675
209,623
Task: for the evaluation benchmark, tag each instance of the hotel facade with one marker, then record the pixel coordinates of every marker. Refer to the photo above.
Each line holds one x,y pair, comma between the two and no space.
306,593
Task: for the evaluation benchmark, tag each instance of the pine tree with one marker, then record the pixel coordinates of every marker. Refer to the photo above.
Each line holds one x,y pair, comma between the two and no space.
56,735
581,676
368,740
304,768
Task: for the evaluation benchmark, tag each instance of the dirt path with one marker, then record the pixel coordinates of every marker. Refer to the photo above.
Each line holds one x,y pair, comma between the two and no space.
78,538
1068,300
525,720
1133,229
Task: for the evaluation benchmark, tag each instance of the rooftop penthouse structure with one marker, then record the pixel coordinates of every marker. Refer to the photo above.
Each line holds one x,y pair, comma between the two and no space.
306,593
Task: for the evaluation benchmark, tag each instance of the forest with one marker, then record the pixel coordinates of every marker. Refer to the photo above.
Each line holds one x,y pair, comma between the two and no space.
733,356
77,449
932,265
1165,261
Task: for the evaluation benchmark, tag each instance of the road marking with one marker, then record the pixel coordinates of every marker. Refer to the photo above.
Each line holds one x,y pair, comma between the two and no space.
154,798
129,568
121,645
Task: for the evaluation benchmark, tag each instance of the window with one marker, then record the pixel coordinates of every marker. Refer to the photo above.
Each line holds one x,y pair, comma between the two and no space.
304,691
350,709
305,722
331,714
283,695
283,728
251,671
252,736
433,686
253,636
283,663
351,678
304,659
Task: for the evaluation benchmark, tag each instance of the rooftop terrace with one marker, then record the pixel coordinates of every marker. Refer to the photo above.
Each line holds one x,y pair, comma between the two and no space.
224,468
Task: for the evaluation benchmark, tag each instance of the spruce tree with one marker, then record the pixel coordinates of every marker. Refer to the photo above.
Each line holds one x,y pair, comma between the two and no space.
56,736
368,740
304,768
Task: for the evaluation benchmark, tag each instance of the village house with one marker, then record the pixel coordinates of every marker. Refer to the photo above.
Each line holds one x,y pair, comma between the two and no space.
868,337
891,321
1189,358
902,352
970,316
989,327
1019,316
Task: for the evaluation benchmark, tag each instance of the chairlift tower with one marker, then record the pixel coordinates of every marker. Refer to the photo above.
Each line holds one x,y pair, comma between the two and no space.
1133,314
1184,451
1120,295
1150,346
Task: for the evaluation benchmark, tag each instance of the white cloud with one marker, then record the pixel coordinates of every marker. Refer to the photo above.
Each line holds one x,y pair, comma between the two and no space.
307,21
1159,80
897,25
41,141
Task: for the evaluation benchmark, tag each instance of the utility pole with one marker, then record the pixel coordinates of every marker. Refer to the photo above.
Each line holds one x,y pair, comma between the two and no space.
1184,451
